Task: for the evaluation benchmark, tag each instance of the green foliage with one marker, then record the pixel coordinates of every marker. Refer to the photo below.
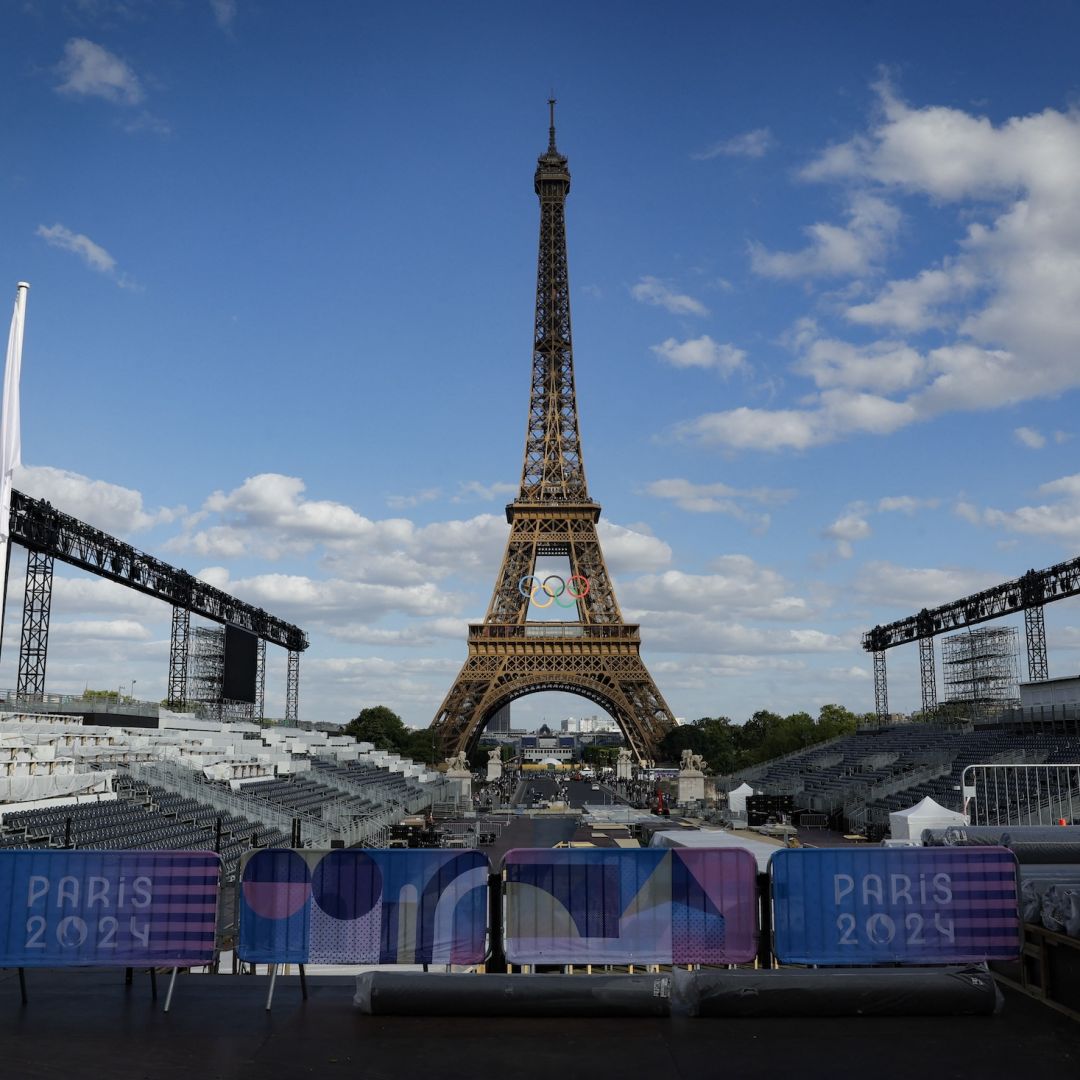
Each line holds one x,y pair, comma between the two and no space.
728,747
600,756
384,729
419,745
380,726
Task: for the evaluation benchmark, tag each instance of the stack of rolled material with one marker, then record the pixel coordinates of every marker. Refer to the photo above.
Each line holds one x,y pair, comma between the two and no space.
1049,862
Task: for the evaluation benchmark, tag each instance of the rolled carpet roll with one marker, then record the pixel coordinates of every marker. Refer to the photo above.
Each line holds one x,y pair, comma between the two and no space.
952,991
417,993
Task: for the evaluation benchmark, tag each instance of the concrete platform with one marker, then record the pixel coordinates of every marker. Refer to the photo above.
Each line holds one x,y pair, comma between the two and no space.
89,1024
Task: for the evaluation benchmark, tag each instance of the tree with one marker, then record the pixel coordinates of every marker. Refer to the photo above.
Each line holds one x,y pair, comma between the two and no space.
835,720
419,745
712,737
380,726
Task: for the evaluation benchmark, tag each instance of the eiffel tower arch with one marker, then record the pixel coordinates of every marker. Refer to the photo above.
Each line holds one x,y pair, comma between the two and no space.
595,655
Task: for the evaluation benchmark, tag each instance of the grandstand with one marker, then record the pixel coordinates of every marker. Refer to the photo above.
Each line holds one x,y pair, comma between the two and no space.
198,786
858,780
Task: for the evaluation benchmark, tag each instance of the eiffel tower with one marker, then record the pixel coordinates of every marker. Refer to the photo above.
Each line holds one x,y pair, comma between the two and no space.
597,655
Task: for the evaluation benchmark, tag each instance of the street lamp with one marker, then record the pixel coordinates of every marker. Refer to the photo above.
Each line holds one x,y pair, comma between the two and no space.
133,682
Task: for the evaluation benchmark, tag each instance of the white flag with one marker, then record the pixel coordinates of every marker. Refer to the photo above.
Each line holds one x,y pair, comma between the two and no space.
10,432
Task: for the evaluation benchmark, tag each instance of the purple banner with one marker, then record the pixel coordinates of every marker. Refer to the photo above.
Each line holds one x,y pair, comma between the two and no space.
894,905
102,908
364,906
627,906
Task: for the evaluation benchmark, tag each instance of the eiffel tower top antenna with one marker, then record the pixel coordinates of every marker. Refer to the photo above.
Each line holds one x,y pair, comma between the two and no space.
551,129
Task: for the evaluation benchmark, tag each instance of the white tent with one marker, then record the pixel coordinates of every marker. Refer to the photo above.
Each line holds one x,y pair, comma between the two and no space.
736,799
909,824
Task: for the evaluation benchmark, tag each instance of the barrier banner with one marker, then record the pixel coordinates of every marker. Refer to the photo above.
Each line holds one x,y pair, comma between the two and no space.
363,906
894,905
104,908
627,906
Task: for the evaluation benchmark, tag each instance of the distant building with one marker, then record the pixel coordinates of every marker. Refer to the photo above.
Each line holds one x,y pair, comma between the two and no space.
1050,692
589,725
499,724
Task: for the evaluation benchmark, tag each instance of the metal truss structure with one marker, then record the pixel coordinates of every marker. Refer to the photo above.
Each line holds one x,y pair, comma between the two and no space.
292,690
260,680
178,656
980,668
49,534
34,644
597,655
206,662
1028,594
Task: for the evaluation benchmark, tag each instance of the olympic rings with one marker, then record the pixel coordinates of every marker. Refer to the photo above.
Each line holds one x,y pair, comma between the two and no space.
565,588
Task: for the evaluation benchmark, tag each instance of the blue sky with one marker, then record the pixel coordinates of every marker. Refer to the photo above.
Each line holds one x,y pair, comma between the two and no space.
825,271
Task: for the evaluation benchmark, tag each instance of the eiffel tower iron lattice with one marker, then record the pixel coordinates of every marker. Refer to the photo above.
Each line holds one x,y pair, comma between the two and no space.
598,655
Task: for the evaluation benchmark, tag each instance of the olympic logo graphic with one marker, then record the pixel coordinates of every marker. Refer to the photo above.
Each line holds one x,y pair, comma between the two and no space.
576,587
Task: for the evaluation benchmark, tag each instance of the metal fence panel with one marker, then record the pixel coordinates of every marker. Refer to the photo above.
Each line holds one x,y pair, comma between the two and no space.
625,906
1002,794
363,907
894,905
105,908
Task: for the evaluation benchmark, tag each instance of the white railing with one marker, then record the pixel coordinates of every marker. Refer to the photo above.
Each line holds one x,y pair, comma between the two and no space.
1004,794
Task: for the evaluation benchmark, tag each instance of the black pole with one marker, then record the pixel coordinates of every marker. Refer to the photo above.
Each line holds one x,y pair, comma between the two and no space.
67,831
217,837
3,603
765,954
496,961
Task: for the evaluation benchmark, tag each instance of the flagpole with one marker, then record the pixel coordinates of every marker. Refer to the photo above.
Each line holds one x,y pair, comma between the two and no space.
10,433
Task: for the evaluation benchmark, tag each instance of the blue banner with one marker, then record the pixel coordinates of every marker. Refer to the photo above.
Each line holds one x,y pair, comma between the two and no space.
100,908
894,905
363,906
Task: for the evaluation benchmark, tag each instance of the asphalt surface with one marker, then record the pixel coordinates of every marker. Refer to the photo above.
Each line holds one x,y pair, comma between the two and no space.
579,792
82,1023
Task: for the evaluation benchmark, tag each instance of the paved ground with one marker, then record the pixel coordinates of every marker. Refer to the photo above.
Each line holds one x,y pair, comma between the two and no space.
87,1024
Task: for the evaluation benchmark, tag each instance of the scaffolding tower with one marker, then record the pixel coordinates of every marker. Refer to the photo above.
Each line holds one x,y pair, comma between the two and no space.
206,676
981,669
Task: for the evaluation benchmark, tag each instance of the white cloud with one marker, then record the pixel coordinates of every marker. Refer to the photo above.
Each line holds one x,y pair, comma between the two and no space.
834,250
108,629
918,303
1002,294
86,594
110,507
651,290
403,502
94,255
305,600
883,367
1058,518
718,499
884,584
750,144
840,412
224,13
88,70
739,588
730,646
905,504
847,529
1030,438
701,352
473,489
630,551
